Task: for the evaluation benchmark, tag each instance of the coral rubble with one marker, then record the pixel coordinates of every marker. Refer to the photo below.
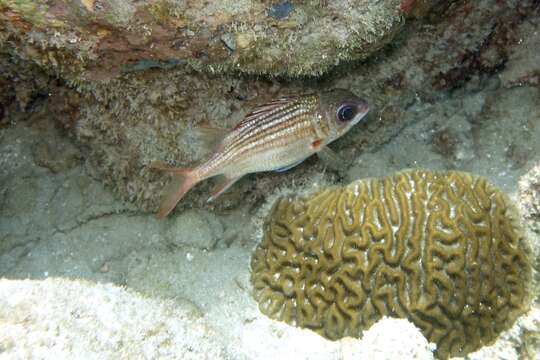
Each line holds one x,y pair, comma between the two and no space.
529,189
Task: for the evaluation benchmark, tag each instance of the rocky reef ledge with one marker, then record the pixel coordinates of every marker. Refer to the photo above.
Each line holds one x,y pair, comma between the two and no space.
127,98
96,39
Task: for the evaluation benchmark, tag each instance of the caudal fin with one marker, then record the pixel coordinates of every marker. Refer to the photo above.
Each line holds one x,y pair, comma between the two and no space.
183,180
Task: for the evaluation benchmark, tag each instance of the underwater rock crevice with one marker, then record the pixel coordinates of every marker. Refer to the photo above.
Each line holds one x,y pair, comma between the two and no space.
85,221
138,117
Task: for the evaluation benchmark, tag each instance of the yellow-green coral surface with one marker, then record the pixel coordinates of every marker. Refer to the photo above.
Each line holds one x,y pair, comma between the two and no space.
442,249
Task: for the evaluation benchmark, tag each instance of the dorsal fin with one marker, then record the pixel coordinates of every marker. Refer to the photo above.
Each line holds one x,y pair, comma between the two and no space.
210,137
264,110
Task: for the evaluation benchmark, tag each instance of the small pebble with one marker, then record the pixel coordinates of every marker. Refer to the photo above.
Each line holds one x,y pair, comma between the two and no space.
229,41
281,10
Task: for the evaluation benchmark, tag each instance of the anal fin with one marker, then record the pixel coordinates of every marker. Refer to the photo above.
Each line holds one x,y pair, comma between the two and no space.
221,186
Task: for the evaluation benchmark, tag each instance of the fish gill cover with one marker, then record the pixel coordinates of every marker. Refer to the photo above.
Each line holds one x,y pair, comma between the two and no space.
442,249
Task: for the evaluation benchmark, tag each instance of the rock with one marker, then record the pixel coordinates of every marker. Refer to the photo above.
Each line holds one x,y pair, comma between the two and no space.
389,339
518,342
145,113
529,197
281,10
58,35
157,107
22,82
79,319
55,156
194,228
523,65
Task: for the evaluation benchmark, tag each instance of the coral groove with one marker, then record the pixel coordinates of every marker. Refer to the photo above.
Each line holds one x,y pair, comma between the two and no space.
443,250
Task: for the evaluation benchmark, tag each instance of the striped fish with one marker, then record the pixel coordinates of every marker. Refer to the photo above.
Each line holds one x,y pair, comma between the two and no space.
275,136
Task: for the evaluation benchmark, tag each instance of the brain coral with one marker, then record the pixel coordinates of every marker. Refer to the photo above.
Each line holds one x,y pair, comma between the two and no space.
443,250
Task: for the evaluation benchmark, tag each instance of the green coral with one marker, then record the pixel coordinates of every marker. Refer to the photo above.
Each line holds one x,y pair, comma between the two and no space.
443,250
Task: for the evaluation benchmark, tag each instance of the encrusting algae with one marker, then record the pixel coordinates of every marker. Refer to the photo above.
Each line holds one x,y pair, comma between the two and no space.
442,249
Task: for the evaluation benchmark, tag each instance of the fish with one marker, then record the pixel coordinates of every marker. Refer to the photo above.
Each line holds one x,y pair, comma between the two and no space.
273,136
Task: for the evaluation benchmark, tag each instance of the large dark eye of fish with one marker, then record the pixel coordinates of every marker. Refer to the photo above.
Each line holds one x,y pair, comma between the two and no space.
346,112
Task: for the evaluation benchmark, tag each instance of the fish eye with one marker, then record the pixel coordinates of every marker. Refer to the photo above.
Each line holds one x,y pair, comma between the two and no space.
346,113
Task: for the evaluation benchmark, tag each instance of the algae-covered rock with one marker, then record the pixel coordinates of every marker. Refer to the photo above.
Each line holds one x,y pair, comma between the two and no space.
529,197
195,228
94,39
22,83
147,112
144,116
443,250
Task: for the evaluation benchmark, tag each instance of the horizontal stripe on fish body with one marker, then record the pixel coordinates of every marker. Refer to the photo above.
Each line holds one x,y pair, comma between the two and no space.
280,130
285,124
270,159
280,139
256,124
267,112
293,125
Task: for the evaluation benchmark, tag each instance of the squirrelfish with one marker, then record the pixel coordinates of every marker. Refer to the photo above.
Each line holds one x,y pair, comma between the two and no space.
274,136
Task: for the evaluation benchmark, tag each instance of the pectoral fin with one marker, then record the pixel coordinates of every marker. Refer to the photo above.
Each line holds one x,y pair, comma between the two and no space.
316,145
331,159
221,186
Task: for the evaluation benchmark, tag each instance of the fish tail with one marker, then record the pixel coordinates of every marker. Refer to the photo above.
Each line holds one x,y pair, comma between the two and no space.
183,180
